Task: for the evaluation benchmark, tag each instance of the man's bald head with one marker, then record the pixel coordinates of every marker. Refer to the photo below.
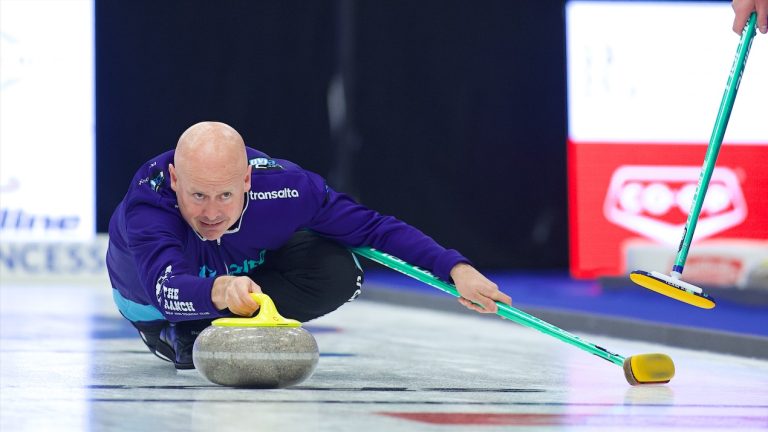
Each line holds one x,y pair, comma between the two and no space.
210,145
210,175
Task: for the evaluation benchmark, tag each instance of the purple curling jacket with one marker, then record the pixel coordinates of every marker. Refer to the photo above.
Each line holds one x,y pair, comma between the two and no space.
160,268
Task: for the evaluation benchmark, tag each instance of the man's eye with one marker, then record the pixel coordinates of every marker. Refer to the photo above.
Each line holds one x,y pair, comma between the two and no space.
226,195
198,196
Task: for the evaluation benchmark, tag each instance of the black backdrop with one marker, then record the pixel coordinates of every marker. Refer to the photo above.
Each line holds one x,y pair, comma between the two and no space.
459,106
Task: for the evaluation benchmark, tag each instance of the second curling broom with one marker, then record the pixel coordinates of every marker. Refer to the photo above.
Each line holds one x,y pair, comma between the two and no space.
672,286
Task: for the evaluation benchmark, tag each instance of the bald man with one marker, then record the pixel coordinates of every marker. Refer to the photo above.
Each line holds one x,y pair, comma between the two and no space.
204,225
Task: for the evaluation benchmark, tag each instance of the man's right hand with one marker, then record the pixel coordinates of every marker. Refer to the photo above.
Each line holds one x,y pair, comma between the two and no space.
234,293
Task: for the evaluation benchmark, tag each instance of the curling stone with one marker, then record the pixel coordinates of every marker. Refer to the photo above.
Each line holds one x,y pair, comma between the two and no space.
266,351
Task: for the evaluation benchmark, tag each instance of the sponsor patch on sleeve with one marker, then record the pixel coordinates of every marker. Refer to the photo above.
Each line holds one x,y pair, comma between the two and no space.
168,296
264,163
155,179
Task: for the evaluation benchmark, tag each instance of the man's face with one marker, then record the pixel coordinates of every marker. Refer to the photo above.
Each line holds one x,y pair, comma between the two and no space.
210,201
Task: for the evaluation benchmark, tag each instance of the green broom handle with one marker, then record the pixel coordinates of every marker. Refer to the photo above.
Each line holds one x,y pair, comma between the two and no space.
715,141
505,311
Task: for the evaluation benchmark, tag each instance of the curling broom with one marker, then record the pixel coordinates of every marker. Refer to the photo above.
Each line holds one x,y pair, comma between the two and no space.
672,286
638,369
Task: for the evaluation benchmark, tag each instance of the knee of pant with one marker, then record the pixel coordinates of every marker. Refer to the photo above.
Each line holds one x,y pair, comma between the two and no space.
338,272
334,293
348,280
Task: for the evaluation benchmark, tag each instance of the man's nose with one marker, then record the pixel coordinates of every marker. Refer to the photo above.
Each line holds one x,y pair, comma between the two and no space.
211,211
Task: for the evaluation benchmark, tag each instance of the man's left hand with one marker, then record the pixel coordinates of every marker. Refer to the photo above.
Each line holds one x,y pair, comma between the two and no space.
476,288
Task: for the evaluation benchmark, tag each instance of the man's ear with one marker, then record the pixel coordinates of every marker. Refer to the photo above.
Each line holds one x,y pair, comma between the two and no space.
248,178
174,179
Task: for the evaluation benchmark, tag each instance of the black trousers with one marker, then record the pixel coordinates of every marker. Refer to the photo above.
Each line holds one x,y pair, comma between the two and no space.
306,278
309,276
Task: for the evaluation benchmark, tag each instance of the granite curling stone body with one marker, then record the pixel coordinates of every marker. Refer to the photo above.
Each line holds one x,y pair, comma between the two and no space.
266,351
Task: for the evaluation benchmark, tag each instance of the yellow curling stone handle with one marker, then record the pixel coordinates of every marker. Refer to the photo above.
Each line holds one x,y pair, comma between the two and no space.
267,316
